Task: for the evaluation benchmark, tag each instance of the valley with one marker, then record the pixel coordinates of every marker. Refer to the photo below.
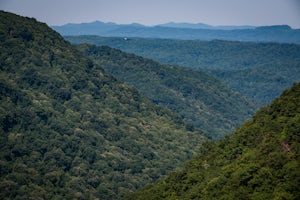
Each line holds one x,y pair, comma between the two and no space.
92,117
202,100
259,161
259,71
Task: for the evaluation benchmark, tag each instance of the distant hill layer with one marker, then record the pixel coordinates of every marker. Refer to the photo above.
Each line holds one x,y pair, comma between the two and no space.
69,130
280,33
260,161
260,71
203,26
201,99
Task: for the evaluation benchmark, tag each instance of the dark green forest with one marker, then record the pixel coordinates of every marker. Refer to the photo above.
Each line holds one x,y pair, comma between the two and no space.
90,122
260,71
203,101
69,130
261,160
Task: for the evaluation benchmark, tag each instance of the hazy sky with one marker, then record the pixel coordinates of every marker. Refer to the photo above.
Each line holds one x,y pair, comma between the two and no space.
152,12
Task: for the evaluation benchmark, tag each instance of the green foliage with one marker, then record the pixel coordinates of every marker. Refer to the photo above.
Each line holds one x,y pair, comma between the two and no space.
260,161
68,130
202,100
260,71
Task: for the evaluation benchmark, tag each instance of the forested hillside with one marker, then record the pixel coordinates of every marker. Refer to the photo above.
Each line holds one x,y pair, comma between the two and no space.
201,99
69,130
260,161
260,71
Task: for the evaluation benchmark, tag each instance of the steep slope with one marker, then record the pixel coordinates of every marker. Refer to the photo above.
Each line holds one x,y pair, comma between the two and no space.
68,130
260,71
198,97
260,161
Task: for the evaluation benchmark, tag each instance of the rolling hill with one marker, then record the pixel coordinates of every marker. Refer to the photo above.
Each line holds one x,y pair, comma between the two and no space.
69,130
260,71
202,100
260,161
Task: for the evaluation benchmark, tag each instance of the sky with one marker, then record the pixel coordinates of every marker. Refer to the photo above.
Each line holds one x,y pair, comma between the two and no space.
153,12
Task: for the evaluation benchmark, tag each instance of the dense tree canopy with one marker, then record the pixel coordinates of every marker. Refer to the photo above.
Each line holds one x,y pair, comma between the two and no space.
260,71
202,100
69,130
260,161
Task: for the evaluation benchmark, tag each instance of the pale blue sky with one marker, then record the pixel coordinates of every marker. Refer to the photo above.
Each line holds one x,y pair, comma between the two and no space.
152,12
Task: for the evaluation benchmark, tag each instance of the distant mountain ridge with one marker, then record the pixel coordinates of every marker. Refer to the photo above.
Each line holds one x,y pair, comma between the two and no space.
96,27
185,31
203,26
